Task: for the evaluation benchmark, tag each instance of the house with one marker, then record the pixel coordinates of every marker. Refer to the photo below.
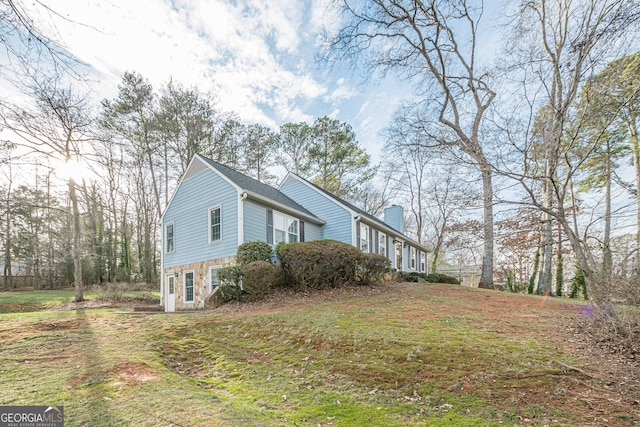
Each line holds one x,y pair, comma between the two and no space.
214,209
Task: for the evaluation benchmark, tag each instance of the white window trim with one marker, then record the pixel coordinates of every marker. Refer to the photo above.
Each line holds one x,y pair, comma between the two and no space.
382,243
412,258
212,269
209,224
366,237
286,230
171,278
423,262
166,241
184,286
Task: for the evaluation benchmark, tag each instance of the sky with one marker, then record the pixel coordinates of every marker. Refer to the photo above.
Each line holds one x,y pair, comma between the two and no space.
258,56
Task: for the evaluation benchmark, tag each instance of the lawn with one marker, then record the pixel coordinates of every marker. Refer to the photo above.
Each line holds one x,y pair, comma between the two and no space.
26,301
393,355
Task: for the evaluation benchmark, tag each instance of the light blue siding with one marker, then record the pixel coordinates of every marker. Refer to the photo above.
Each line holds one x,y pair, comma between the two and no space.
255,222
337,219
189,211
394,217
312,232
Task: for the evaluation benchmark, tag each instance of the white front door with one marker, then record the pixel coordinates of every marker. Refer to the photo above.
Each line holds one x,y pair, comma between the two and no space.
170,303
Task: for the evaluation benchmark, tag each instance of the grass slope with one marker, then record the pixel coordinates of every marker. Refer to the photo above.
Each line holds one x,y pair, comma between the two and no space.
401,355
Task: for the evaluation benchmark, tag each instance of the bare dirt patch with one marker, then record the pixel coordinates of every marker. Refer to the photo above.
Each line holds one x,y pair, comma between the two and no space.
122,302
131,373
281,298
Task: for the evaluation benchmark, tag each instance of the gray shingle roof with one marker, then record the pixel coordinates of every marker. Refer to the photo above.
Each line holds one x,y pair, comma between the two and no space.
254,186
363,213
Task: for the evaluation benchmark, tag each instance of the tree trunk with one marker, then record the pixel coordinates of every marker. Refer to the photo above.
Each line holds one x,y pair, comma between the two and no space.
486,276
77,256
7,235
635,147
544,281
607,260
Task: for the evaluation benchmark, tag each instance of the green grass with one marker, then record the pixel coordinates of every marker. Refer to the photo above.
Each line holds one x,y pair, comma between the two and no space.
417,357
26,301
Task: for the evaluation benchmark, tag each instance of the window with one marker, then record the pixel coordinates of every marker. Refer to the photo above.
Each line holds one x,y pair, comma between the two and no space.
399,265
285,228
413,258
172,281
170,245
382,244
423,262
364,238
188,286
215,224
213,277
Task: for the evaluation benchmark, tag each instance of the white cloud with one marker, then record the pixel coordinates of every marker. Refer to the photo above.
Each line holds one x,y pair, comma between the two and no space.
256,55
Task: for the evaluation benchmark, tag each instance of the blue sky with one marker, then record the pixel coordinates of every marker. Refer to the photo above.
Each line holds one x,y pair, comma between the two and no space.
257,55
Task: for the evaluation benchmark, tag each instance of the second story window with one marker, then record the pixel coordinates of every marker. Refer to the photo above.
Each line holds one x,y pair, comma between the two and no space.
170,244
215,224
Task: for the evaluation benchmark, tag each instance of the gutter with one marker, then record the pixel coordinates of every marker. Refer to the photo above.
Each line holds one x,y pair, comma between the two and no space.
391,231
283,208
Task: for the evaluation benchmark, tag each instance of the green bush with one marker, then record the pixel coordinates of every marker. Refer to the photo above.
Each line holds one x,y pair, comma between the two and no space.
230,278
414,276
319,264
579,285
254,251
258,277
372,267
443,278
432,278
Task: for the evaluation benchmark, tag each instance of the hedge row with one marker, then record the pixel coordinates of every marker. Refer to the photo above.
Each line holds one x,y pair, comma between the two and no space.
308,265
325,264
401,276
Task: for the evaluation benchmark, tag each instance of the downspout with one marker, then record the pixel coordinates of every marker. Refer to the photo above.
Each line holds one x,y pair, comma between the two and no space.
354,232
243,197
162,237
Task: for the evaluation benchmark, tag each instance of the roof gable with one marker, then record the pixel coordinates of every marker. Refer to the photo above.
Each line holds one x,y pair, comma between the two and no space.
354,209
264,192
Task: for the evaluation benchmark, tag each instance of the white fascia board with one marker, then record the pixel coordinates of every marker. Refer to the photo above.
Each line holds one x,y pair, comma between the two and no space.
282,208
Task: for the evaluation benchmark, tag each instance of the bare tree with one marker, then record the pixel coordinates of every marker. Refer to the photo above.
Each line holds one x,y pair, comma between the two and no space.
556,46
56,126
434,44
26,43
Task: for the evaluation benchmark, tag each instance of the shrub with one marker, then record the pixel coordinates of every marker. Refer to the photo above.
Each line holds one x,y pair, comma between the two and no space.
372,267
444,278
432,278
230,278
578,285
319,264
254,251
414,276
258,277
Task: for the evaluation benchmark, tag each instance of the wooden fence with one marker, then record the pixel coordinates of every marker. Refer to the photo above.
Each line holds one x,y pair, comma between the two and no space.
31,282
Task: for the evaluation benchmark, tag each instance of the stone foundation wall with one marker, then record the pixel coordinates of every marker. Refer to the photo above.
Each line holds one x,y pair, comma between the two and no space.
200,281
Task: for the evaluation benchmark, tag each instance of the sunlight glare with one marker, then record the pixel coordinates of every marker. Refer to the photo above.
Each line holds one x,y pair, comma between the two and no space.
74,168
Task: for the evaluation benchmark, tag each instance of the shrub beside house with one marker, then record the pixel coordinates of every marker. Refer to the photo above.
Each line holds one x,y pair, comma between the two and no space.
215,209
